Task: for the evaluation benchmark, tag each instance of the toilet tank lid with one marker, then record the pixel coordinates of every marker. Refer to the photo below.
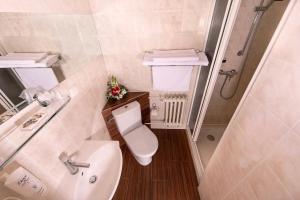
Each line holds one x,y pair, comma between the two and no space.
125,108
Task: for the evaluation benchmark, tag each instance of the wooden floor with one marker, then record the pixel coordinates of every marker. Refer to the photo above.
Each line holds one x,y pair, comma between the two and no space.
170,176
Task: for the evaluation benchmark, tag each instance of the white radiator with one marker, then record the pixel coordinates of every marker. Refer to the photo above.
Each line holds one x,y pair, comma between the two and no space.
174,109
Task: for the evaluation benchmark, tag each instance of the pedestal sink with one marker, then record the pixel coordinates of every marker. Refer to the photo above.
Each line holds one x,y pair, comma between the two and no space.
100,180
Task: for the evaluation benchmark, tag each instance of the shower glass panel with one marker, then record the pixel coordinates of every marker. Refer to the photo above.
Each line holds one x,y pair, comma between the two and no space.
214,32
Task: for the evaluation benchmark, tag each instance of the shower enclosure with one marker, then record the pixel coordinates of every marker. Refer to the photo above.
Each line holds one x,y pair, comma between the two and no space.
254,26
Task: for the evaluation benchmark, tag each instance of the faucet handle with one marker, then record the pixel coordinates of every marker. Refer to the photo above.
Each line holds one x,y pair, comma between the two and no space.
64,157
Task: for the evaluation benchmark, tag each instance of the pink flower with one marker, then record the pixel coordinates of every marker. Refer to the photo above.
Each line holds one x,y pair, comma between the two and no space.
115,90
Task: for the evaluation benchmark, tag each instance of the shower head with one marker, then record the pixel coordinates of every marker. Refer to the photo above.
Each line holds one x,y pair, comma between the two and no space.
264,8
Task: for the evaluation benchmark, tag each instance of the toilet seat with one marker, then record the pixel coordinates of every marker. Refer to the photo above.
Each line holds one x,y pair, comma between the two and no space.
142,142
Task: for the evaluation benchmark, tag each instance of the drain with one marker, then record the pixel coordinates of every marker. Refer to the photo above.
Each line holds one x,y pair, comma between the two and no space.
210,137
93,179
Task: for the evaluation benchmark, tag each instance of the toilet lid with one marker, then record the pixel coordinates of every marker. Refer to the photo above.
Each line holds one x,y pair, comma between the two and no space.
142,141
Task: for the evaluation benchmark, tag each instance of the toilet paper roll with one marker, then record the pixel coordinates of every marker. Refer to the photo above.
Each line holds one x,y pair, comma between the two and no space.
25,183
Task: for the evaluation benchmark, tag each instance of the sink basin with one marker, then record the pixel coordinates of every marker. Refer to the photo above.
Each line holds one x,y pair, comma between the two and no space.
100,180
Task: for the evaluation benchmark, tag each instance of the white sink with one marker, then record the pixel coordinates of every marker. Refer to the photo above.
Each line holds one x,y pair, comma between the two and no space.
105,158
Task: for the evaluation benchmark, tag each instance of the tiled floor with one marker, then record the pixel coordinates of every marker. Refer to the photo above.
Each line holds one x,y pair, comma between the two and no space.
170,176
207,147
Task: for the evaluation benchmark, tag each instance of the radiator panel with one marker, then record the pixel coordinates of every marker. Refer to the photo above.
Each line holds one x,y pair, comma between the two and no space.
174,109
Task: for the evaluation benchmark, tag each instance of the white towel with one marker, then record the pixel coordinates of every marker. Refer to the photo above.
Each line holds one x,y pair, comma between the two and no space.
34,77
171,78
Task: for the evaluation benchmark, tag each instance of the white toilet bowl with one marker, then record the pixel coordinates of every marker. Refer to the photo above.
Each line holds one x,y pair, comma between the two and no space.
141,141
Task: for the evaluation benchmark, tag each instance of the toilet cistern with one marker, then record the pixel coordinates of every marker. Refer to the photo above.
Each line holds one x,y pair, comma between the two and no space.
72,166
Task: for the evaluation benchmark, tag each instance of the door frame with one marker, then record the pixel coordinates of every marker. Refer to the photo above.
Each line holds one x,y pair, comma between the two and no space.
224,36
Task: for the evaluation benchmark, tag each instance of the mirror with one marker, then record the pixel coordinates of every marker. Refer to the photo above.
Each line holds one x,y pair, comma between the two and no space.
30,90
28,99
20,86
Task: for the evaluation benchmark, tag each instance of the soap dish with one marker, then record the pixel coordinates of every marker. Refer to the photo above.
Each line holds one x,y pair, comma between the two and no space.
33,121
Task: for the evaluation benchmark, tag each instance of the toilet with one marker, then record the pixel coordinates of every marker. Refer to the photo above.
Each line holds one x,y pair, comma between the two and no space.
139,138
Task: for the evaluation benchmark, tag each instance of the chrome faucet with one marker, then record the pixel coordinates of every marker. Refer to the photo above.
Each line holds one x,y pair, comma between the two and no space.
42,103
72,166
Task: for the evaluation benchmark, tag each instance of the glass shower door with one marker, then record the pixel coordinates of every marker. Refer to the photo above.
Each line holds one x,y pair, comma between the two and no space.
210,50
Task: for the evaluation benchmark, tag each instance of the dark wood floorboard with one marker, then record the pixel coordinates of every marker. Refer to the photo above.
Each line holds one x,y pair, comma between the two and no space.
170,176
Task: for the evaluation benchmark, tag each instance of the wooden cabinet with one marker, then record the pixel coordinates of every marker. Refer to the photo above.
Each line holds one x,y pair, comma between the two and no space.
141,97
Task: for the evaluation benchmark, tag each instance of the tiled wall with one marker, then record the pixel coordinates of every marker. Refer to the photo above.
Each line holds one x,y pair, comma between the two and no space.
95,39
79,120
66,27
127,28
5,192
73,36
258,156
46,6
260,42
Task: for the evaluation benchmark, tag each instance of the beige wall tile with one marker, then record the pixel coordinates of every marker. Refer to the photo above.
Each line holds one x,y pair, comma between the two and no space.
216,184
171,4
148,23
271,129
237,156
125,32
266,185
46,6
120,30
285,163
75,37
287,48
243,192
190,21
170,21
279,84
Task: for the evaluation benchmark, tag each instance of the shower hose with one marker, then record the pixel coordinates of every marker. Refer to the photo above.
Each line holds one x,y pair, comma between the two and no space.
259,14
227,78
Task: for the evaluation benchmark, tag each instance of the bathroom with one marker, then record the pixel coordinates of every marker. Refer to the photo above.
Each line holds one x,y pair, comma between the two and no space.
244,147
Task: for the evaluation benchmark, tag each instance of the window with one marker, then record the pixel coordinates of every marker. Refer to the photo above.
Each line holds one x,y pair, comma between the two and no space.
10,90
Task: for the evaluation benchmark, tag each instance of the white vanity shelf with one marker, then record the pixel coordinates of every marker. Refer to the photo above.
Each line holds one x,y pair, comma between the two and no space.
28,60
13,137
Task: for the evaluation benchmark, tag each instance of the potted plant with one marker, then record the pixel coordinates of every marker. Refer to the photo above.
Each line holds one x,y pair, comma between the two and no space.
115,91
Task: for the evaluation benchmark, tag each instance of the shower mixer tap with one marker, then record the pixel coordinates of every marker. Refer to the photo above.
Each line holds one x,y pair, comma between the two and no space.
229,74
